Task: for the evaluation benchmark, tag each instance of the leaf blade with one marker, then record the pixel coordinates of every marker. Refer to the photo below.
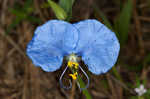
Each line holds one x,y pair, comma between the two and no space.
59,12
67,6
123,21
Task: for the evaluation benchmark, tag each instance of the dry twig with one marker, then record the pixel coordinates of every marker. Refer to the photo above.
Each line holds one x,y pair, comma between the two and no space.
122,85
11,41
114,95
3,13
73,90
138,29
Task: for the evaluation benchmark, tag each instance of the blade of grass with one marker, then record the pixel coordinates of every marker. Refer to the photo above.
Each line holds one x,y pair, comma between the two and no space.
85,91
82,85
123,21
104,18
116,73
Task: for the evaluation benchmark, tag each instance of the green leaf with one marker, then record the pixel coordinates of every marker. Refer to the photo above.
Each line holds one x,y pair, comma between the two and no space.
59,12
123,21
85,91
67,6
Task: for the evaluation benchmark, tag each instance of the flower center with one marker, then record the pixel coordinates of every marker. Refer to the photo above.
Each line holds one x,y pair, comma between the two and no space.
73,65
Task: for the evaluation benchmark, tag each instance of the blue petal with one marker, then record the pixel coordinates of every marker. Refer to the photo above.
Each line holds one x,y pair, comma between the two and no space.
50,43
98,46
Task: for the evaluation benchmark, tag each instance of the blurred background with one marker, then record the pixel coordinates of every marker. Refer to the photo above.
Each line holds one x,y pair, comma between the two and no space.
129,19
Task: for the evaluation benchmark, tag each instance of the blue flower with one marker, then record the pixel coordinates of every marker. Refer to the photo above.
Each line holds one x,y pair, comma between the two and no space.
97,45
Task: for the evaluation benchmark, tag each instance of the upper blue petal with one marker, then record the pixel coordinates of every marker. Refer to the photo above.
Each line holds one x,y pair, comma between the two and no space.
50,43
98,46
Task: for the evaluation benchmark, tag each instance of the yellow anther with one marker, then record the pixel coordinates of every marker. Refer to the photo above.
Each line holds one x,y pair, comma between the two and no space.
74,76
76,65
71,64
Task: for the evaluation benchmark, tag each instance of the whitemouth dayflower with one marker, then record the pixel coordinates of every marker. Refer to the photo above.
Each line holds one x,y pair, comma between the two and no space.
97,46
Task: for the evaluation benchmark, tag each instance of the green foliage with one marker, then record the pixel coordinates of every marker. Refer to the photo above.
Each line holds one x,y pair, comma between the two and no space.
59,12
104,18
116,73
133,97
85,91
122,23
138,82
63,10
147,95
137,68
67,6
22,13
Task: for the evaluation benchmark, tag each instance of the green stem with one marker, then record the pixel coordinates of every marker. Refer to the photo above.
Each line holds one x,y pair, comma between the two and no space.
82,85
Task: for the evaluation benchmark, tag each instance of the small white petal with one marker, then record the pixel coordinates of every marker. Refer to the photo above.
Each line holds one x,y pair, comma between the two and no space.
141,86
137,90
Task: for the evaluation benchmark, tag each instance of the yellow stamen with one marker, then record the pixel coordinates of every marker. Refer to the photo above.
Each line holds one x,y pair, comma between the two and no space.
74,76
76,65
71,64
